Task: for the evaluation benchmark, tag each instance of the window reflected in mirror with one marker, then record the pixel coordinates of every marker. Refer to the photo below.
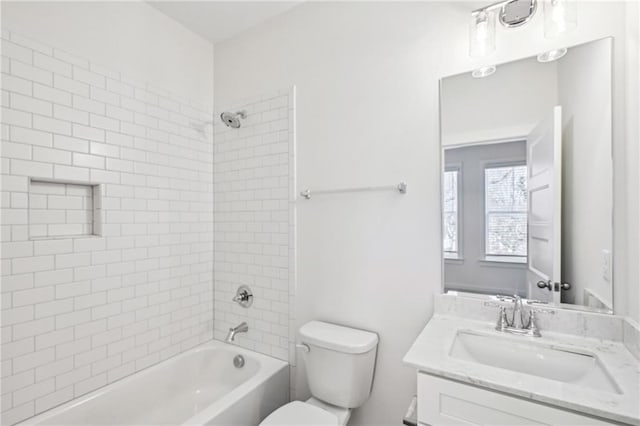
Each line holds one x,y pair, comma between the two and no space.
450,213
505,194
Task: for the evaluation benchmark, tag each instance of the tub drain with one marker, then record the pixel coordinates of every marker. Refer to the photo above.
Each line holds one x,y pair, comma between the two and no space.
238,361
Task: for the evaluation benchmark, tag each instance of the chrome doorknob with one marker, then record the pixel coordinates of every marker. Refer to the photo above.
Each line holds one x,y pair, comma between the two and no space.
544,284
564,286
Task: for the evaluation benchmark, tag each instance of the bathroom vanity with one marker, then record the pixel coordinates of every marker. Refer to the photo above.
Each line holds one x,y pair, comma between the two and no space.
578,373
527,209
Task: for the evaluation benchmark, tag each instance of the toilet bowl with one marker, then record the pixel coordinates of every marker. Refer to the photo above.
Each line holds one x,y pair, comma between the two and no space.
339,364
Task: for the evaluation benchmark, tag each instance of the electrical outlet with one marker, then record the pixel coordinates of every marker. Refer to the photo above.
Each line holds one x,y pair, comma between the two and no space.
605,265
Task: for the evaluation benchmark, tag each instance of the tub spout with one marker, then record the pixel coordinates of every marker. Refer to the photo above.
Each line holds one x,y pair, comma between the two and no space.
241,328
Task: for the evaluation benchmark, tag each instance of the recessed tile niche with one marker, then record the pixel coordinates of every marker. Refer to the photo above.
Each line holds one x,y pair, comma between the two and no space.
64,209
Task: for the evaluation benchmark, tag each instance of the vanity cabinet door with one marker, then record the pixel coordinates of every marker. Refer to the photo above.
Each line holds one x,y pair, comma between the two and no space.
447,402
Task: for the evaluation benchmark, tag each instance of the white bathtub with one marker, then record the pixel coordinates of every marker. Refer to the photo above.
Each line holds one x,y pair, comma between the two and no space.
199,387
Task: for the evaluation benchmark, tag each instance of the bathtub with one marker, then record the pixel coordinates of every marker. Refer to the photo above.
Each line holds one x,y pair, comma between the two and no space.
199,387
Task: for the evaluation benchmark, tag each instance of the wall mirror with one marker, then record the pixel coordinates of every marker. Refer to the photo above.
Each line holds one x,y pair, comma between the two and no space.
527,179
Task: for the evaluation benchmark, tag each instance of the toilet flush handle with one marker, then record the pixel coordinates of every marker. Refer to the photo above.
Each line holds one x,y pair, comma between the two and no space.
303,347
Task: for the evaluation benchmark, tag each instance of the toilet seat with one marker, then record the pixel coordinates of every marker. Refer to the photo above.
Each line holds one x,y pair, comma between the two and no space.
298,413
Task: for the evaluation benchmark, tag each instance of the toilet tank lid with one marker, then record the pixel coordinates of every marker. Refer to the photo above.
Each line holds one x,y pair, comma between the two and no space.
337,337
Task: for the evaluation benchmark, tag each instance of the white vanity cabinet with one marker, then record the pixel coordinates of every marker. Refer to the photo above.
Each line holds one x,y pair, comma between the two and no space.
447,402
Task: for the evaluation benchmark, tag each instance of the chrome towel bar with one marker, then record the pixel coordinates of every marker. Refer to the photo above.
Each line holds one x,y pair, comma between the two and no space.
401,188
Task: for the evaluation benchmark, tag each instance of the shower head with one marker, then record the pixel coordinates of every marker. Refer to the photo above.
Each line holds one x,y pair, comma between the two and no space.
232,119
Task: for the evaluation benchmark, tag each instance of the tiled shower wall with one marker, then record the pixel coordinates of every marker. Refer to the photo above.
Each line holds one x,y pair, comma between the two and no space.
254,171
81,312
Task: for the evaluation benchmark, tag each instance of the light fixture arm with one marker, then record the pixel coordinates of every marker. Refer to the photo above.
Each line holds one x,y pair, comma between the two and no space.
491,7
560,16
512,13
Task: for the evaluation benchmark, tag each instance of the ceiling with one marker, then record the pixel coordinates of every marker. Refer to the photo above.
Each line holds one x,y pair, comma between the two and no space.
220,20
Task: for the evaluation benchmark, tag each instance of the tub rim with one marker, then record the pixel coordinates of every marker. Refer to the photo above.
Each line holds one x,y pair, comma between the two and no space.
268,367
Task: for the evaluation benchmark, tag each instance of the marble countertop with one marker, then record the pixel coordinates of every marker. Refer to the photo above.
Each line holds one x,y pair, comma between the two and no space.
430,354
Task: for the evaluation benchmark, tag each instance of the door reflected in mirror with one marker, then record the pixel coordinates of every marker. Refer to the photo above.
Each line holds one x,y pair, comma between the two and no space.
527,179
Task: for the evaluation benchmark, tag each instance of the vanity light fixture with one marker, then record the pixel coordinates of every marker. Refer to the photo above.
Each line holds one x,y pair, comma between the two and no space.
560,16
511,13
482,31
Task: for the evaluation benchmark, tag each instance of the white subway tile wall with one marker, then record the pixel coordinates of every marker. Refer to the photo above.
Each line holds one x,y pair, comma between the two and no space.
254,171
79,313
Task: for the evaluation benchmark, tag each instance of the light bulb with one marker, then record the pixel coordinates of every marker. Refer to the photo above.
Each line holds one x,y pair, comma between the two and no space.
481,29
560,16
557,15
482,33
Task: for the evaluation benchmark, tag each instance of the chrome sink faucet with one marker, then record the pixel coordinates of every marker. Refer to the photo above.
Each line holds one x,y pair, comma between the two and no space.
240,328
520,322
518,315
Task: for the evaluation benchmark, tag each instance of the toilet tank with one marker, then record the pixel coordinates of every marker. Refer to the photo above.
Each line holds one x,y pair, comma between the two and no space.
340,362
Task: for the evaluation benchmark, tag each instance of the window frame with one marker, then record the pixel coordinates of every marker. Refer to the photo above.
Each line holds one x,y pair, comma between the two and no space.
501,258
459,255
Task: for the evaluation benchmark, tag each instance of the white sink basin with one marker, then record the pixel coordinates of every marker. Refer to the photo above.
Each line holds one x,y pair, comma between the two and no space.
535,358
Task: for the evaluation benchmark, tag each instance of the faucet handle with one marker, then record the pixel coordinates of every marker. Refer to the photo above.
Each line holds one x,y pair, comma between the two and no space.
503,321
532,327
244,296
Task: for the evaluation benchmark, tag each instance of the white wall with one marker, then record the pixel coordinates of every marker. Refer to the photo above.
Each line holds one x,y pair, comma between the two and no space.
367,113
131,37
81,312
584,91
632,108
360,263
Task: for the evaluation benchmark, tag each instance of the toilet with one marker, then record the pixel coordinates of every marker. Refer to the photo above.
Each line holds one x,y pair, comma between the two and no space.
339,362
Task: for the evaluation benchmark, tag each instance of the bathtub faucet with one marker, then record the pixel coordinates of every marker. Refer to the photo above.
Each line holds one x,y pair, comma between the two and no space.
231,335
